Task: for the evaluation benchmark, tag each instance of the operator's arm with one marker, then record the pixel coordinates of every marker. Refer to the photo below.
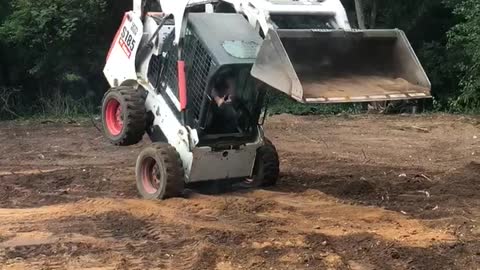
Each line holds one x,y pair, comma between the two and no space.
220,100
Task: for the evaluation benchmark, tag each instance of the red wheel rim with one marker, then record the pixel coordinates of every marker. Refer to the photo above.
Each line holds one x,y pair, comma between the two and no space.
114,117
150,175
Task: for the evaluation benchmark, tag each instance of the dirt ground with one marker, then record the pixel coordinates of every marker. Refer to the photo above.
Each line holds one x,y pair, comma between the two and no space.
356,192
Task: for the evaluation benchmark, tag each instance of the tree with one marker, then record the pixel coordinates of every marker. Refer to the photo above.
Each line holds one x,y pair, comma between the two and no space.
51,35
57,45
464,43
4,74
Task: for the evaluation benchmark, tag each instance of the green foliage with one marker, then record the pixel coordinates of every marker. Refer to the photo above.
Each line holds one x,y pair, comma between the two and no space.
439,64
8,102
58,105
45,34
54,104
52,52
56,46
280,103
464,41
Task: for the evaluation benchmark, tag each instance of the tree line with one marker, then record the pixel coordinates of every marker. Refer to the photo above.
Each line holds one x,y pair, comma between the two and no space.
52,52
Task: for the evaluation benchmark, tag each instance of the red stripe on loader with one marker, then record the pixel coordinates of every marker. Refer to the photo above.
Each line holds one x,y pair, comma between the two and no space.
182,85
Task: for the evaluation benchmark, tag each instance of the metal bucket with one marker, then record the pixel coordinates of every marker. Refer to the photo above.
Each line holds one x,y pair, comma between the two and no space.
337,66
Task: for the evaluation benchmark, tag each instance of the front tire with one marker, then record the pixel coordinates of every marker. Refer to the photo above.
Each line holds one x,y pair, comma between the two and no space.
159,172
267,165
123,115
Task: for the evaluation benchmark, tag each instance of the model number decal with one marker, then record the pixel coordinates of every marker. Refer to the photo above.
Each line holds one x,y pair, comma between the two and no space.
127,42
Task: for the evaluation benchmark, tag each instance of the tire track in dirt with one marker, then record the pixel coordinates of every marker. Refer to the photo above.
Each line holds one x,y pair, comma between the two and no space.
82,208
152,247
313,208
161,230
30,250
315,212
183,241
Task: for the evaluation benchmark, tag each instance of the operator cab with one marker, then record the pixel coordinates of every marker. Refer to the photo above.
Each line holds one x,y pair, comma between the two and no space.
236,100
224,100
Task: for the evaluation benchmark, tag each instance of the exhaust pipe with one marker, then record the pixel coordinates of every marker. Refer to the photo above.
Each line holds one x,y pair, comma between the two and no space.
338,66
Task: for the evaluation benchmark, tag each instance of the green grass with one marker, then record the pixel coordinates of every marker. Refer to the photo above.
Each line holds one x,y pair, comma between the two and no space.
56,106
279,103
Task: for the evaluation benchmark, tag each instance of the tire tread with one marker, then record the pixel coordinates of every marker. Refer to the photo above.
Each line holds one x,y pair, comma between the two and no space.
135,117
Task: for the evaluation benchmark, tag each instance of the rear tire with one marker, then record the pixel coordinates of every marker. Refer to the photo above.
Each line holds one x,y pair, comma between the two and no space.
267,165
123,115
159,172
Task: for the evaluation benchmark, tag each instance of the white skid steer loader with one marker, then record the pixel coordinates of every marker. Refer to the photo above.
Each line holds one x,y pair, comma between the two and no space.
194,79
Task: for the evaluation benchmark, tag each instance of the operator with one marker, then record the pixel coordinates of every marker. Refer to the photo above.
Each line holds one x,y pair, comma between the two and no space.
225,115
223,92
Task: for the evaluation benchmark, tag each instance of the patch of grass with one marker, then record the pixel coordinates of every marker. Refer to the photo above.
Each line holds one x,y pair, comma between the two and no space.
8,102
54,106
280,103
59,105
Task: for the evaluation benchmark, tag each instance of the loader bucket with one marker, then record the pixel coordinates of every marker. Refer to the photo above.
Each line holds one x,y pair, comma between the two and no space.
337,66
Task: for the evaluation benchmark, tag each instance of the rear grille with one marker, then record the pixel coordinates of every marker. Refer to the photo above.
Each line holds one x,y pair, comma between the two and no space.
199,64
169,67
154,69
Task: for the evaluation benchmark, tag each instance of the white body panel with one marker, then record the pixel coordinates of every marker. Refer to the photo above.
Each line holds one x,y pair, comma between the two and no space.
223,164
258,11
137,7
120,65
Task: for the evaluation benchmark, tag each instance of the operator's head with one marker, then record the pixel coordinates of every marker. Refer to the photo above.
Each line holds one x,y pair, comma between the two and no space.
225,82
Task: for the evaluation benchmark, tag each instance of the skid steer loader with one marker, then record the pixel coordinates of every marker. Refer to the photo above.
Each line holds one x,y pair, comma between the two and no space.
194,79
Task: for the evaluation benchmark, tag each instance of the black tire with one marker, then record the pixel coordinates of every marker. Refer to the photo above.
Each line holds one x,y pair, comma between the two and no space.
267,165
129,125
159,172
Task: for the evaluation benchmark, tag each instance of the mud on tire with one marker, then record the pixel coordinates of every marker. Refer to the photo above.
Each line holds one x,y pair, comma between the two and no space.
123,115
267,165
159,172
